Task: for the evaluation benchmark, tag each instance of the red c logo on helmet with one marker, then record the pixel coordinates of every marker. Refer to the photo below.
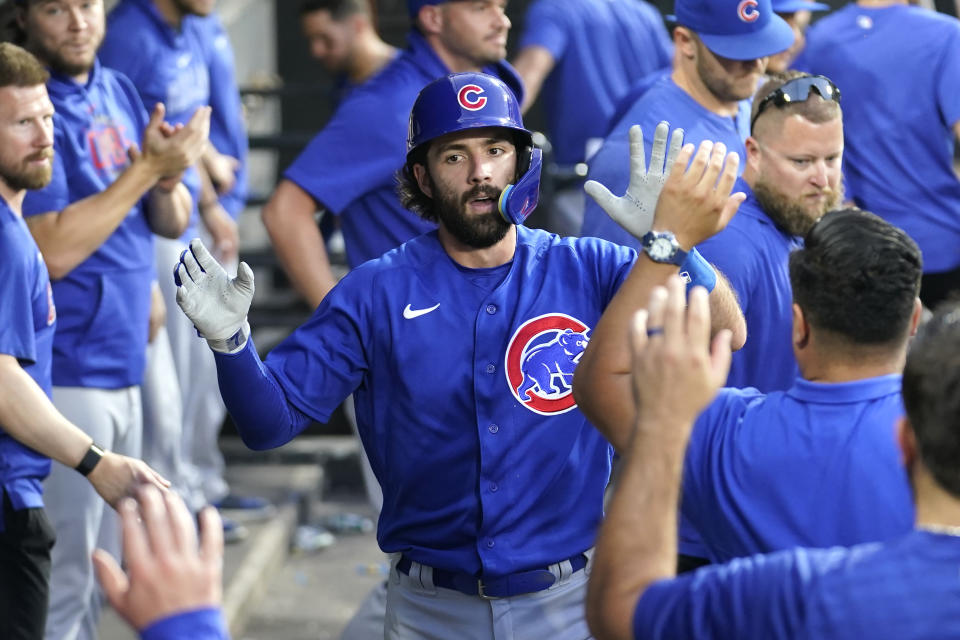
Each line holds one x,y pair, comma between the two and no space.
470,98
747,10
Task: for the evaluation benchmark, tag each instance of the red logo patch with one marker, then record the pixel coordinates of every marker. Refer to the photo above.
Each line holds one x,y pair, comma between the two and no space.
747,10
540,360
470,97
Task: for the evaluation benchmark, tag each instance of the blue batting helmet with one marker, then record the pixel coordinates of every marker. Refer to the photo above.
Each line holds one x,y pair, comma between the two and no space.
462,101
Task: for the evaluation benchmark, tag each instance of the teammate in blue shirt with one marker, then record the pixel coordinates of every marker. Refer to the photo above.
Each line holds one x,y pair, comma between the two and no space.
792,177
582,56
797,14
115,183
505,509
897,66
721,52
905,588
31,429
348,168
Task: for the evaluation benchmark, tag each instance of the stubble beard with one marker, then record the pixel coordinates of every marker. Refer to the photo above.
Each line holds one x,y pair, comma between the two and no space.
788,213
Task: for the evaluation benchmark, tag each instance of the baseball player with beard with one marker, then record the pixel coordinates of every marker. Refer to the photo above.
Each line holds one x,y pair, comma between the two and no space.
459,347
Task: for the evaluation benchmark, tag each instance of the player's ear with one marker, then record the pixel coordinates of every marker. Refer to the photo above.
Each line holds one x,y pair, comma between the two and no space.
422,177
753,153
801,329
683,40
907,441
430,19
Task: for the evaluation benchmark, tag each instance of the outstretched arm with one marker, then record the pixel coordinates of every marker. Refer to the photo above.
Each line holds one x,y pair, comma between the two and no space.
676,371
693,203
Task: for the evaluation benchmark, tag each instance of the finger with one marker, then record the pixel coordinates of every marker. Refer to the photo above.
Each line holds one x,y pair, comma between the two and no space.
182,527
189,262
136,549
638,155
674,325
211,536
638,332
155,520
729,175
730,208
205,261
695,171
676,142
133,152
112,579
182,278
714,166
156,116
658,152
698,320
244,279
720,357
601,195
682,161
656,308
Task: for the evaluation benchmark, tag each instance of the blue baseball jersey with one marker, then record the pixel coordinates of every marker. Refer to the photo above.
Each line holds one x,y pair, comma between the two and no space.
814,466
753,253
104,302
462,385
27,321
904,589
599,48
664,100
165,65
349,167
897,68
228,132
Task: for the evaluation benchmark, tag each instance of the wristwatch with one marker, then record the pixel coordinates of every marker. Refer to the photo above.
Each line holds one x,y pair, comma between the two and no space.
662,246
90,460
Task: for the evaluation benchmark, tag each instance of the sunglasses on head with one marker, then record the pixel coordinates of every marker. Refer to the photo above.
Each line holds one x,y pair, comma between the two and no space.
798,90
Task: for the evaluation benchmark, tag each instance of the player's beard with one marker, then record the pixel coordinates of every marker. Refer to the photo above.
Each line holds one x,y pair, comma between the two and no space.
23,177
477,231
790,214
61,64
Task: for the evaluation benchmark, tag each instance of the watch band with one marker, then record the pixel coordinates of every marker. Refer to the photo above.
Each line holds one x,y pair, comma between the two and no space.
90,460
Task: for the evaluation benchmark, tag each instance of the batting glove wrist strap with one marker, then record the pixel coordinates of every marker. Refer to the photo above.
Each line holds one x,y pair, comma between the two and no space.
234,343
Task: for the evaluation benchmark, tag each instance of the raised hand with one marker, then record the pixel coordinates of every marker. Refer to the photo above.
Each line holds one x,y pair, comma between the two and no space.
634,211
171,149
215,303
116,477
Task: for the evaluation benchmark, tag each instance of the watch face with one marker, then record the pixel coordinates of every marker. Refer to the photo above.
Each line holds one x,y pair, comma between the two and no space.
661,249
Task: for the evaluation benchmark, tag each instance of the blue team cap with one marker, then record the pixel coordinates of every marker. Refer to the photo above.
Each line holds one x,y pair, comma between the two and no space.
792,6
413,6
735,29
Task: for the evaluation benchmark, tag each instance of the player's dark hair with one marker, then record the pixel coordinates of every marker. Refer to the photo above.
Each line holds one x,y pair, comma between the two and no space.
931,395
814,109
339,9
19,67
857,277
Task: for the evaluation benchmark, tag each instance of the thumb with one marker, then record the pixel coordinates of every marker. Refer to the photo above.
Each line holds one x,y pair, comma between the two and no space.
244,279
112,578
133,152
156,116
602,196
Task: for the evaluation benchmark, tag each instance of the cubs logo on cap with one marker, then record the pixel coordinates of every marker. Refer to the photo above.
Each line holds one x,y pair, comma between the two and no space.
735,29
747,10
541,357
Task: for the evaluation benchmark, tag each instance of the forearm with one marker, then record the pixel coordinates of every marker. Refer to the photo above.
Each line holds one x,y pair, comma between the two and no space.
28,415
256,402
601,383
725,312
168,212
68,237
637,543
299,246
534,64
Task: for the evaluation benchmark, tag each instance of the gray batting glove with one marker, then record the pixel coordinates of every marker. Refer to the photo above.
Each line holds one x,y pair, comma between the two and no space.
215,303
634,210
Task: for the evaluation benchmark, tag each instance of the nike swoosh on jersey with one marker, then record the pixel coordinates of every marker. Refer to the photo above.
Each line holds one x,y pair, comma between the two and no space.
410,314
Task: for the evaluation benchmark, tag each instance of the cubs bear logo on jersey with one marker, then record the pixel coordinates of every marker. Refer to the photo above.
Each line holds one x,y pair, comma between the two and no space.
540,360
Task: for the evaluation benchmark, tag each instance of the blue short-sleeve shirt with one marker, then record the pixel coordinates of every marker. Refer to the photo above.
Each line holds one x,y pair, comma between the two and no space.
753,253
473,390
904,588
599,48
27,323
898,69
104,302
816,465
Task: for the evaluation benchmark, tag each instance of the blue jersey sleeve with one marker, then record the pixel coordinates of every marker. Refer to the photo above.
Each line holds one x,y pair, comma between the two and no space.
758,597
546,26
17,335
200,624
356,152
256,402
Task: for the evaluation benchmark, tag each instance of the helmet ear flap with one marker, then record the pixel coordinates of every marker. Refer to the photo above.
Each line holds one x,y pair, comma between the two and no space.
517,201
